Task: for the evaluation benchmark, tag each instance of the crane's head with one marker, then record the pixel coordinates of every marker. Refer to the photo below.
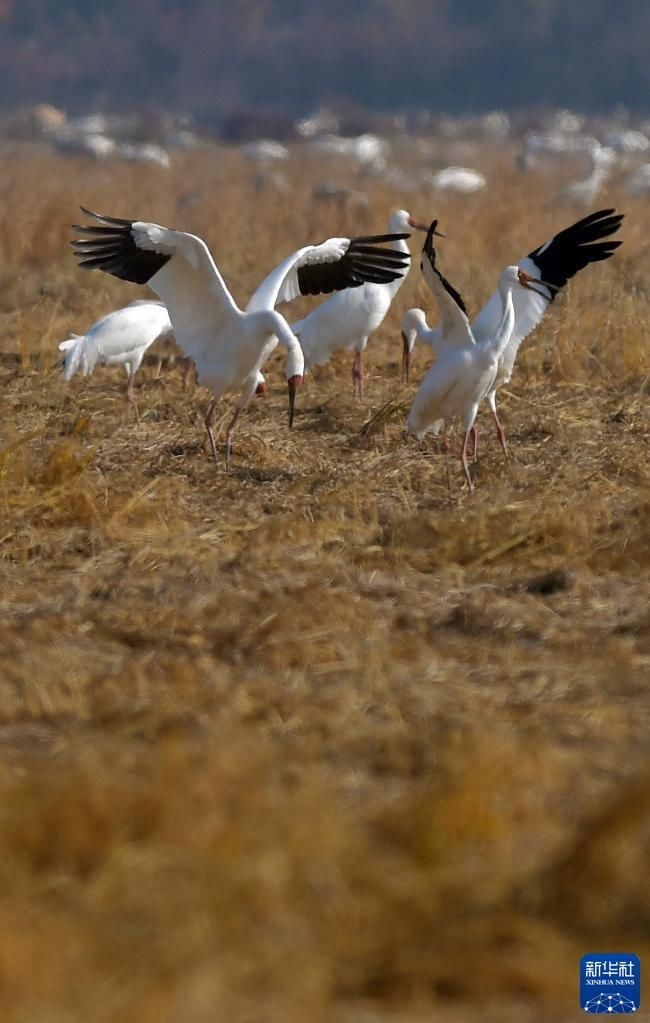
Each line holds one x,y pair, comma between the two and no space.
413,320
526,280
401,222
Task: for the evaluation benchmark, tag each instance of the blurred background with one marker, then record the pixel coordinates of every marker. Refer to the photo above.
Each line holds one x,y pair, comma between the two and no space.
284,58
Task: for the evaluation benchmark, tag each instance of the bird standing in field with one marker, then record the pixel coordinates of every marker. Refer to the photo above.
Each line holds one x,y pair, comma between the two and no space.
346,320
555,261
465,369
227,344
118,339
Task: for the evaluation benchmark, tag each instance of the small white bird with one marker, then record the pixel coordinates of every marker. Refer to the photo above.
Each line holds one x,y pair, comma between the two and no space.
464,180
346,320
556,261
227,344
465,370
119,339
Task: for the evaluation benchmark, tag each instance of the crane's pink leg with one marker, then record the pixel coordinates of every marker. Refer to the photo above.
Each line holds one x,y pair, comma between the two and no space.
209,416
357,376
131,398
229,433
501,433
463,458
475,438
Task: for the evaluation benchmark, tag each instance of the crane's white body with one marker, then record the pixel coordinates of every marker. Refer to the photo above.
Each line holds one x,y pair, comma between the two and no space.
529,308
347,319
465,369
118,339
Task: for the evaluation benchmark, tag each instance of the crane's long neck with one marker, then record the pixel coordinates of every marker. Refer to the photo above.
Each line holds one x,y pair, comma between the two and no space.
499,342
399,246
295,364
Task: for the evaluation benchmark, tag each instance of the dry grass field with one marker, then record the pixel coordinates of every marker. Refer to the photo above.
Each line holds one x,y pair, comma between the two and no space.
313,741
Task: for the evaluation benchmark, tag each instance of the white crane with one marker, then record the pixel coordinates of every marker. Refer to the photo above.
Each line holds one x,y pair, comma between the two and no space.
227,344
586,190
118,339
465,369
346,320
555,261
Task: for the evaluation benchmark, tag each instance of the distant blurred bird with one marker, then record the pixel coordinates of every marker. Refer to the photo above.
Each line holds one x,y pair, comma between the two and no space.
555,261
463,180
346,320
465,369
119,339
638,182
584,191
227,344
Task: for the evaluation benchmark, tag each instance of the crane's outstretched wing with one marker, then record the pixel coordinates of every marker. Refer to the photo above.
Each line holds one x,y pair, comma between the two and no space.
454,321
332,265
556,261
176,265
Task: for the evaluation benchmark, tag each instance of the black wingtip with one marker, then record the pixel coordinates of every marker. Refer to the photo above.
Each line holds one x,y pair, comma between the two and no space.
116,221
112,248
572,249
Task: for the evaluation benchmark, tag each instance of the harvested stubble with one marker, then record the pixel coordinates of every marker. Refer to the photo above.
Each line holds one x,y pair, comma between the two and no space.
312,740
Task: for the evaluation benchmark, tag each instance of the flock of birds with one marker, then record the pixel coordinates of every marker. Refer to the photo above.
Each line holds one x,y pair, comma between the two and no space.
362,275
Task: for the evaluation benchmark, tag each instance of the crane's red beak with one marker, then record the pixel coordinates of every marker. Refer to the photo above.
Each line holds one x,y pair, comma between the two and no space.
527,280
294,382
425,227
420,227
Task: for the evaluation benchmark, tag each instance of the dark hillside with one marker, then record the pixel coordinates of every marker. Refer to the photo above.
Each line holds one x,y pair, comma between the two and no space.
210,58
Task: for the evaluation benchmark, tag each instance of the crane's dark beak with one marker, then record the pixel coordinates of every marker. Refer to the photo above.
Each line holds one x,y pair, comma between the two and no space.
406,359
294,382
